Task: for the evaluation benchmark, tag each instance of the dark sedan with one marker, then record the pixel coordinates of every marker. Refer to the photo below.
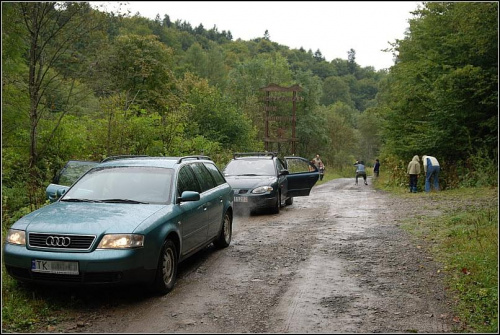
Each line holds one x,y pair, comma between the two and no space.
263,181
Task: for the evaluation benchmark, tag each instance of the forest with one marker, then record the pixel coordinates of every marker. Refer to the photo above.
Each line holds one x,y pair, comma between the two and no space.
80,83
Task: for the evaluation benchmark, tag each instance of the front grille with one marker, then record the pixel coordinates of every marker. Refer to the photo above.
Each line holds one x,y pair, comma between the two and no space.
77,242
242,191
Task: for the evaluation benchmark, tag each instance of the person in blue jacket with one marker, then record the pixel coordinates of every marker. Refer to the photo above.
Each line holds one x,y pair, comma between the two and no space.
431,169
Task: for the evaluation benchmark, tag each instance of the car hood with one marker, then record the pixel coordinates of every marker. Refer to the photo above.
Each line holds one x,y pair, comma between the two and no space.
249,182
87,218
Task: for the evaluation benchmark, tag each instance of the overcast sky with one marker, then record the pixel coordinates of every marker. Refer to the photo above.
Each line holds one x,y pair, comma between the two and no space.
333,27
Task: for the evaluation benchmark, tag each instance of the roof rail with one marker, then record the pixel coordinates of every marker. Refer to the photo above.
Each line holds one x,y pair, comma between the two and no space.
197,157
111,158
265,153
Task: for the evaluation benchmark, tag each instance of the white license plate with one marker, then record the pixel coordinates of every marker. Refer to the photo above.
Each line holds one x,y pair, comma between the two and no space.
240,199
61,267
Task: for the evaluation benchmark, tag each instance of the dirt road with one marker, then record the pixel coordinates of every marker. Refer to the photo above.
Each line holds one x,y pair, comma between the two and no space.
333,262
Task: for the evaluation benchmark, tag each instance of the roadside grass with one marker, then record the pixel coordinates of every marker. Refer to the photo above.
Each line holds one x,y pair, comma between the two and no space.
466,244
22,310
464,240
33,309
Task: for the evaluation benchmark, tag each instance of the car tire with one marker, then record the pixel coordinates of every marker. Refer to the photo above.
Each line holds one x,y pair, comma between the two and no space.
289,201
166,274
276,208
226,232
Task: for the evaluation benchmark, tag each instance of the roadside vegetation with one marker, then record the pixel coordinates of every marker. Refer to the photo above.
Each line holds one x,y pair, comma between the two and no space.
464,240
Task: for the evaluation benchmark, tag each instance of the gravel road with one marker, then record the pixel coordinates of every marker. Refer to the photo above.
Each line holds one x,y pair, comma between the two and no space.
334,262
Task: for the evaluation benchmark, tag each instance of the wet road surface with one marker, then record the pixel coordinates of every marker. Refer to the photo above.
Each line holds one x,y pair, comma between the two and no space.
333,262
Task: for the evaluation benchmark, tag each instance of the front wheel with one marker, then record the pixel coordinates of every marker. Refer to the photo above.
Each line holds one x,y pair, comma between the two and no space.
166,273
276,208
224,238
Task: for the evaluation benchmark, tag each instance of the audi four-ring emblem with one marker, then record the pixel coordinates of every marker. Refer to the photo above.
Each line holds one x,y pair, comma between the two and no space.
58,241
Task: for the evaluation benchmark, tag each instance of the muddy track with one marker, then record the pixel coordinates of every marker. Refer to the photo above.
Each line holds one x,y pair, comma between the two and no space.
334,262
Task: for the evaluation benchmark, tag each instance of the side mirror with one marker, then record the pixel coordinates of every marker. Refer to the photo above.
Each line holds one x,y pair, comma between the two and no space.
188,196
54,191
284,172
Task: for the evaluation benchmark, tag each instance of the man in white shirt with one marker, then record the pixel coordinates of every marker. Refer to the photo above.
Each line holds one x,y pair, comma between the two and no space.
431,168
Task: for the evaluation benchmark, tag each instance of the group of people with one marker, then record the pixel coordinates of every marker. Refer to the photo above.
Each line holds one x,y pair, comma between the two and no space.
431,170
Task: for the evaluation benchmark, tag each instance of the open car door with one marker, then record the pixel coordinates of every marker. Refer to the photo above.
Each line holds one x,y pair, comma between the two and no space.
302,176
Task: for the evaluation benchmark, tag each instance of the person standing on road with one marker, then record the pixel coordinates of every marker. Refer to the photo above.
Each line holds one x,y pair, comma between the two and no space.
360,171
414,170
321,170
319,165
431,169
376,168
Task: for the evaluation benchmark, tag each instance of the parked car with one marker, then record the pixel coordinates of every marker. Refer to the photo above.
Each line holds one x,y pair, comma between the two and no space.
129,220
263,181
70,173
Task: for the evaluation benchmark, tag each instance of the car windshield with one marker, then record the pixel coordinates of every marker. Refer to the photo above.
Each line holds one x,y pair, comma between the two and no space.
250,167
123,185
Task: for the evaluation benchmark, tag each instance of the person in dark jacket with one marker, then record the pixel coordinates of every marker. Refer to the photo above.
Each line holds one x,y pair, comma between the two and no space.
376,168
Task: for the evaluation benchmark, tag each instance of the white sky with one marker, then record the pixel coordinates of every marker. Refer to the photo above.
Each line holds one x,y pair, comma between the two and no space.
333,27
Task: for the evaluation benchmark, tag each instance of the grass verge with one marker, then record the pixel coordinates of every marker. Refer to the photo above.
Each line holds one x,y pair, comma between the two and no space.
464,240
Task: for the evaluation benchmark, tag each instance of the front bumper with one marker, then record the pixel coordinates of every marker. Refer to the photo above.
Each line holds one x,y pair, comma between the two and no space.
254,202
98,267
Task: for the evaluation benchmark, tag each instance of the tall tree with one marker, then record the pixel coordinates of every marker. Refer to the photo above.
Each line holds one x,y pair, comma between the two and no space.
266,35
53,30
351,61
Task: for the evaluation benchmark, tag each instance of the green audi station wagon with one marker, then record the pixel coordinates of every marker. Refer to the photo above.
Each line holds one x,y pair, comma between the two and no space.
126,220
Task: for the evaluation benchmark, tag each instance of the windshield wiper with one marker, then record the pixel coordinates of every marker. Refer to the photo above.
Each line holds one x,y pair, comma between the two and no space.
80,200
124,201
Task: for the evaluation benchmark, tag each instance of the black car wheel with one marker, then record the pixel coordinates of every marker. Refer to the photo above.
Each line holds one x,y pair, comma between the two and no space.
167,268
289,201
276,208
224,238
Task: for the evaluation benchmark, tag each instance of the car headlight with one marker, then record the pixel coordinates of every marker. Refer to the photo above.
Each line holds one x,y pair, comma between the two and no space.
15,236
262,189
121,241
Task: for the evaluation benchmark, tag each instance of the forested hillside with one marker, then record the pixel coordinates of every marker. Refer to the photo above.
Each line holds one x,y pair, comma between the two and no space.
78,83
